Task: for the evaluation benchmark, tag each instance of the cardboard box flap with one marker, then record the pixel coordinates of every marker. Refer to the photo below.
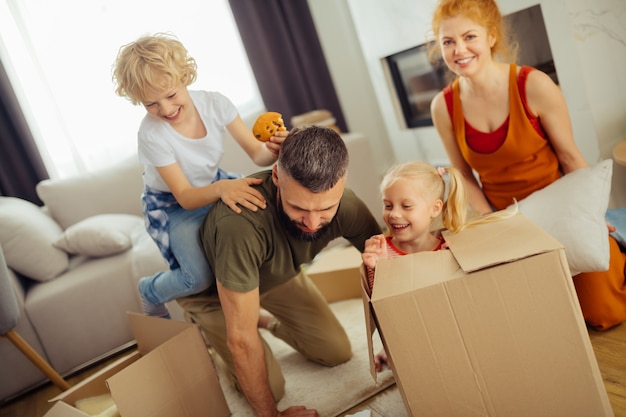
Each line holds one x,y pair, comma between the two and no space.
413,271
172,375
334,259
498,242
151,332
177,378
370,326
335,273
95,384
61,409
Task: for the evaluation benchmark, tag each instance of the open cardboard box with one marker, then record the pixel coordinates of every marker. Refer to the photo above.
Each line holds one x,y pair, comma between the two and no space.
170,374
491,327
335,272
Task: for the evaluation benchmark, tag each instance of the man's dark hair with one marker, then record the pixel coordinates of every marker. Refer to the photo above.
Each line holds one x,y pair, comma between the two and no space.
314,156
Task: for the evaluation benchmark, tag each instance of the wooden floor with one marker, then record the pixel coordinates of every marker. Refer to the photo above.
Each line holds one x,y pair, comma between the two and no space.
609,347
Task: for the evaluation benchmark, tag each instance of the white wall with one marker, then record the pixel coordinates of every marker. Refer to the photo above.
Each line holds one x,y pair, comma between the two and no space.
588,41
349,70
599,31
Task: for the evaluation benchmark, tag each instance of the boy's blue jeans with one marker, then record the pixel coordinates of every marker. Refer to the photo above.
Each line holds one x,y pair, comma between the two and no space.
194,273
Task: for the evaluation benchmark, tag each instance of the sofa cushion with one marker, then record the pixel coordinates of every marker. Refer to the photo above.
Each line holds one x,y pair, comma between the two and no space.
81,315
572,210
116,189
100,235
26,236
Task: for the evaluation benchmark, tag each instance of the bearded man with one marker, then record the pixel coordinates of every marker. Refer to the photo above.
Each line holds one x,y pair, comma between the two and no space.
257,260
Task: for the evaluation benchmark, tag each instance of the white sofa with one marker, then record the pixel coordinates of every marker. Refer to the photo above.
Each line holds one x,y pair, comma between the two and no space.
73,306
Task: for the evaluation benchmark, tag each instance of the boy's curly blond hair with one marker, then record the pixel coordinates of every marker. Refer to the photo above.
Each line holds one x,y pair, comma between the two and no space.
157,62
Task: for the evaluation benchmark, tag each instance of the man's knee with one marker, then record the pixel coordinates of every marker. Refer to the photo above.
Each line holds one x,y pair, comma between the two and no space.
336,352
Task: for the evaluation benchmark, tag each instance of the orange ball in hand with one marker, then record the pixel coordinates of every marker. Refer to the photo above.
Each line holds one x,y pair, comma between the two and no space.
267,124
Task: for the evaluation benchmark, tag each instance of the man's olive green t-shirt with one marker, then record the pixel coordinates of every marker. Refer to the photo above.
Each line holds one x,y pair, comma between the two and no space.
254,249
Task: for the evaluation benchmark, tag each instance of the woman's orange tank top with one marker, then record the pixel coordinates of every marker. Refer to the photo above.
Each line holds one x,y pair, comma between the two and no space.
525,162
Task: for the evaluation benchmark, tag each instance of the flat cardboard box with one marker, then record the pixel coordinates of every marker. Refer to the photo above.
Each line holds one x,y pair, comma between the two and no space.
335,272
491,327
170,374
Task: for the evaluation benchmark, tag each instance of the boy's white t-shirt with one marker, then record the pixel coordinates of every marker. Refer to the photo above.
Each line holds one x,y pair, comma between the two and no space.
160,145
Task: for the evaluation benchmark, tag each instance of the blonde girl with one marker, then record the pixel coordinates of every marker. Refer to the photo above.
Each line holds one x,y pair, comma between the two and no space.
414,197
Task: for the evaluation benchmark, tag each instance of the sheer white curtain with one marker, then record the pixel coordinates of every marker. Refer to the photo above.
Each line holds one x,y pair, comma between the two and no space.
59,56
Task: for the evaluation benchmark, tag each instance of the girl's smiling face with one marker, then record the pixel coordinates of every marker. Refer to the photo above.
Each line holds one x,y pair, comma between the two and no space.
464,44
408,209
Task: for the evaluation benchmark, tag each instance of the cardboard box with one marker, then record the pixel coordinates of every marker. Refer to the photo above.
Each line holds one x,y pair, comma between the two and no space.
491,327
336,273
170,374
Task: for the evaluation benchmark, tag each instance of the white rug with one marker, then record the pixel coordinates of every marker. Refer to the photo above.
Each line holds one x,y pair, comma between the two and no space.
331,391
387,404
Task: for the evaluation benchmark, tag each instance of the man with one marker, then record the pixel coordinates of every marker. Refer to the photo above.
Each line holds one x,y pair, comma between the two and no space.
257,258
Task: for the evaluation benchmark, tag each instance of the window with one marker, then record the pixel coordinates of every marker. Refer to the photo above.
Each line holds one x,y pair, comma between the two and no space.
59,56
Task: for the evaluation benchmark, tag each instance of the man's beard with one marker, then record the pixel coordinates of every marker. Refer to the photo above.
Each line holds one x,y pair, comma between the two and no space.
295,231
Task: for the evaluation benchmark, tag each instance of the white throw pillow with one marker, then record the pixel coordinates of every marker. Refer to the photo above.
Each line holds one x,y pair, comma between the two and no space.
26,236
572,210
101,235
116,189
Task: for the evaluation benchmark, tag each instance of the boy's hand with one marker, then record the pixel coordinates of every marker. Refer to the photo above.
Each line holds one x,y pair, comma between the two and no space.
276,142
239,192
